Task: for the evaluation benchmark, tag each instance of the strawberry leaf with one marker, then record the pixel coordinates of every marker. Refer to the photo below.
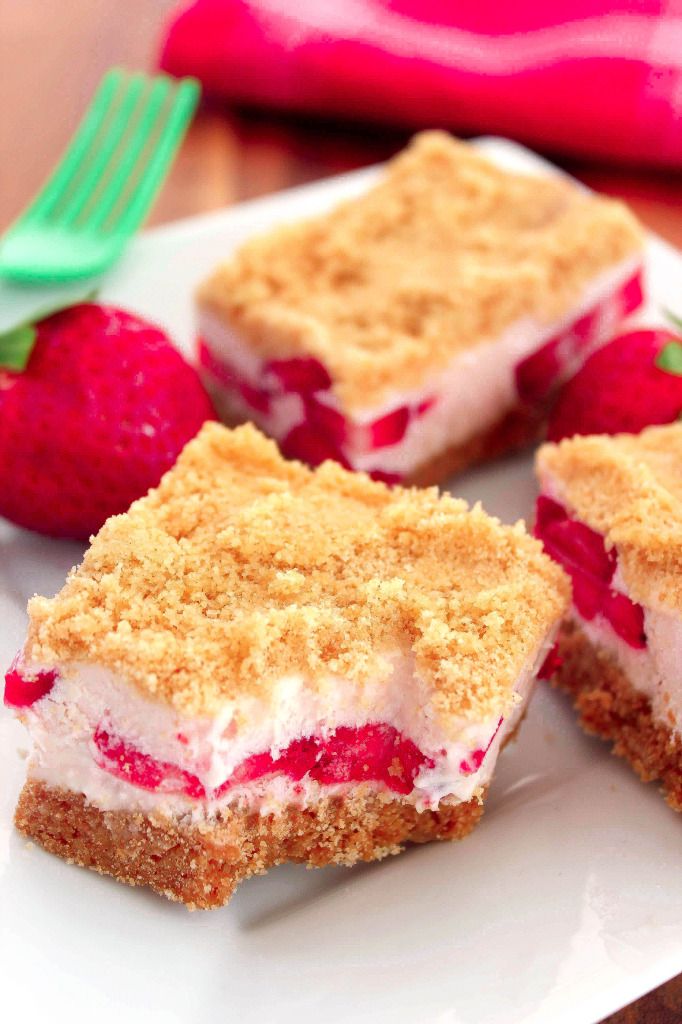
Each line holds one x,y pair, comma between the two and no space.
669,358
16,347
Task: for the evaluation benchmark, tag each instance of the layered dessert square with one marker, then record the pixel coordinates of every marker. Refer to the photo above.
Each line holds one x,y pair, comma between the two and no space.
610,513
261,662
423,325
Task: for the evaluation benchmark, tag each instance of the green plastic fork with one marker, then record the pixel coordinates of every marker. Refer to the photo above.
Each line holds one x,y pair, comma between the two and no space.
106,181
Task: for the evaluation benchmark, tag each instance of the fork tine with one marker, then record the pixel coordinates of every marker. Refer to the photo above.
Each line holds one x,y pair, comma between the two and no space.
151,174
120,171
86,178
120,156
77,149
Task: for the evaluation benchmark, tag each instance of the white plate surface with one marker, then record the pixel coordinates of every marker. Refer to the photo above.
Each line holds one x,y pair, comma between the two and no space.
565,904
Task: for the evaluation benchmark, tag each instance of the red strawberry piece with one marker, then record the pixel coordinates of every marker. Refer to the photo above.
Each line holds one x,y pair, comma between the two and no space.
540,372
299,758
632,294
385,478
225,373
376,752
252,768
477,757
547,511
21,692
302,374
589,593
424,406
389,429
295,762
626,618
326,420
634,381
257,398
102,409
349,754
538,375
576,546
125,761
582,552
306,444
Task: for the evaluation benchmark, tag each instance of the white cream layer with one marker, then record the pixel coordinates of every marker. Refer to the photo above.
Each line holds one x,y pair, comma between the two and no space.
473,392
63,723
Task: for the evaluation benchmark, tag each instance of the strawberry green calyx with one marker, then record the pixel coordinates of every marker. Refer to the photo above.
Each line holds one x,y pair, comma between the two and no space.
669,358
17,343
16,347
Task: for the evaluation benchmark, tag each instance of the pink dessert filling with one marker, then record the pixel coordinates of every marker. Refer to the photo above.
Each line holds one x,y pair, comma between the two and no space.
582,552
476,757
540,373
323,430
376,753
325,433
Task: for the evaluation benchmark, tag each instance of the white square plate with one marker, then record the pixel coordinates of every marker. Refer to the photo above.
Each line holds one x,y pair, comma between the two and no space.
565,904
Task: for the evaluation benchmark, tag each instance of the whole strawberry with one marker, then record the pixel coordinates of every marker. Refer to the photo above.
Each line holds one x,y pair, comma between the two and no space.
634,381
100,410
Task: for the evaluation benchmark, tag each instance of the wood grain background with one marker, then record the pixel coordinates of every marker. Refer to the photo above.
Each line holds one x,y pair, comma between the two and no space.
52,55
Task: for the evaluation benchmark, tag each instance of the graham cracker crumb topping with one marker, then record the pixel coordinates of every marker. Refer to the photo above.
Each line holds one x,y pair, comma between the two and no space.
242,568
629,488
444,253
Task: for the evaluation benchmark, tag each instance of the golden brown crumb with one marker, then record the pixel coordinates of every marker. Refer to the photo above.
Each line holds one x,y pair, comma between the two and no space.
241,568
201,865
628,487
444,253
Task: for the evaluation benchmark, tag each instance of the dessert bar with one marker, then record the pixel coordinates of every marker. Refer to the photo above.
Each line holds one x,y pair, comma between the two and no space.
261,662
425,324
610,513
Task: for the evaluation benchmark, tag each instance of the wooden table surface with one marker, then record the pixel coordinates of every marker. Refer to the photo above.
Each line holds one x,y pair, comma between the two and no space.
52,55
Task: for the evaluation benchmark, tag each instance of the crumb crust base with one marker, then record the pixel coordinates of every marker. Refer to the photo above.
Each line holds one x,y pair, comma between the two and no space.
201,865
609,706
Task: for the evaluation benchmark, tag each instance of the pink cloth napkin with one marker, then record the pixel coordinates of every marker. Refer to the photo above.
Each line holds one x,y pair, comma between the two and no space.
582,76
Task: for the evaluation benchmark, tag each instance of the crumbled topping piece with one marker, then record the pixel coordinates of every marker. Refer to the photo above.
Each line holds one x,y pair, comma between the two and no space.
444,253
242,568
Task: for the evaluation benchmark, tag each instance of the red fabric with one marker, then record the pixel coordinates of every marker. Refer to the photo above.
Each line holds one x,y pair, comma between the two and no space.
583,76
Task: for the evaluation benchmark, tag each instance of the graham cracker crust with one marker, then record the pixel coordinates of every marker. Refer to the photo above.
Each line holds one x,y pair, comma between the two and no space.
521,427
612,708
201,865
